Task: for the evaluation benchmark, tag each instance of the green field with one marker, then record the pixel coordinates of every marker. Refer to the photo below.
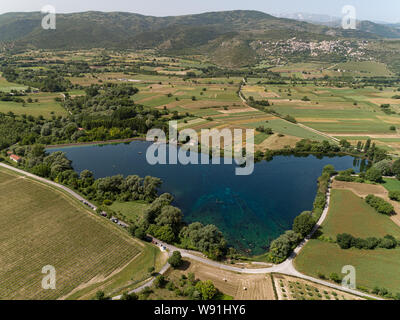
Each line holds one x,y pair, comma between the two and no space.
379,267
6,86
287,128
130,211
391,184
349,213
47,227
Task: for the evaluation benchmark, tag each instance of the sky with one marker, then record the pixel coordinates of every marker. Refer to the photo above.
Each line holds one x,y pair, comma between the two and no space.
377,10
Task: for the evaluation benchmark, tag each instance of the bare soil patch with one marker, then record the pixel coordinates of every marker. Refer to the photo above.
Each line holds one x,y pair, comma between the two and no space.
275,142
239,286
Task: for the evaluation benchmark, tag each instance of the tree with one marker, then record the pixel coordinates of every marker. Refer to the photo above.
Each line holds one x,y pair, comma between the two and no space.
100,295
170,216
344,143
384,167
396,168
345,240
303,224
335,277
367,145
206,289
208,239
373,174
175,260
130,297
164,233
281,247
159,281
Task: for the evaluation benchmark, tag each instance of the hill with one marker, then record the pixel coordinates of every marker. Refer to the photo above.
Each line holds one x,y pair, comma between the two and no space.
229,38
130,30
383,30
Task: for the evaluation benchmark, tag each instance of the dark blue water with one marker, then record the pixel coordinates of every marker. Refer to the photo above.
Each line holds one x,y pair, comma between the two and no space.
251,211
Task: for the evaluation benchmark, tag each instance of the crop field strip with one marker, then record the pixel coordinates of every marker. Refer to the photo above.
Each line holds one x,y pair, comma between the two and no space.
60,233
348,213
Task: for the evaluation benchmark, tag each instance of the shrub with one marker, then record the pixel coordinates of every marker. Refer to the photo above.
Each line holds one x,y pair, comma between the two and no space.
373,175
335,277
379,204
159,281
321,275
372,243
384,167
345,240
175,260
127,296
107,202
388,242
394,195
290,119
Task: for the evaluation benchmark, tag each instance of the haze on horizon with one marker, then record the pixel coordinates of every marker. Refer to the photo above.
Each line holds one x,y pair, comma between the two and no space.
384,10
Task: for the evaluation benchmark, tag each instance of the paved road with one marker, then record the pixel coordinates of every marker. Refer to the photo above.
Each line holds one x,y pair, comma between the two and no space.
286,267
71,192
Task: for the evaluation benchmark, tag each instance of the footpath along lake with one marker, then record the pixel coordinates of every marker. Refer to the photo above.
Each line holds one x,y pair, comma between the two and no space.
251,210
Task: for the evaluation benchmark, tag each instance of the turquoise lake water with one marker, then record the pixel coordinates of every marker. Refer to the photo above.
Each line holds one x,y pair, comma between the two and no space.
251,211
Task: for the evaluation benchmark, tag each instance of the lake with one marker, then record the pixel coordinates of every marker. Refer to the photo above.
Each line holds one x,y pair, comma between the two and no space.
251,211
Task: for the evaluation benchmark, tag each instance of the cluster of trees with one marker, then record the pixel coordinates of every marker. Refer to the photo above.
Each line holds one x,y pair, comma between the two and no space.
371,151
323,185
161,219
303,147
388,167
57,167
265,130
119,122
347,175
187,286
347,241
310,146
45,80
205,238
372,174
165,222
190,287
383,292
13,130
379,204
109,112
282,247
13,96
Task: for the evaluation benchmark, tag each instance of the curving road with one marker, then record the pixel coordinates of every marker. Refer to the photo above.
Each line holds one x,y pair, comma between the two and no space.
287,267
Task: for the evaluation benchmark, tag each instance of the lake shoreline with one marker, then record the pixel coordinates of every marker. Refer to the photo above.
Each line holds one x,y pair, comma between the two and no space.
94,143
258,211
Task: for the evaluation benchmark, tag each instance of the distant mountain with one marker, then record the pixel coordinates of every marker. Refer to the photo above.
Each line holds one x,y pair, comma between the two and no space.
119,29
384,30
311,17
227,37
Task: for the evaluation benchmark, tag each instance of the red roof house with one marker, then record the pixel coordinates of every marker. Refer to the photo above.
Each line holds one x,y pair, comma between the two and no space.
15,158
